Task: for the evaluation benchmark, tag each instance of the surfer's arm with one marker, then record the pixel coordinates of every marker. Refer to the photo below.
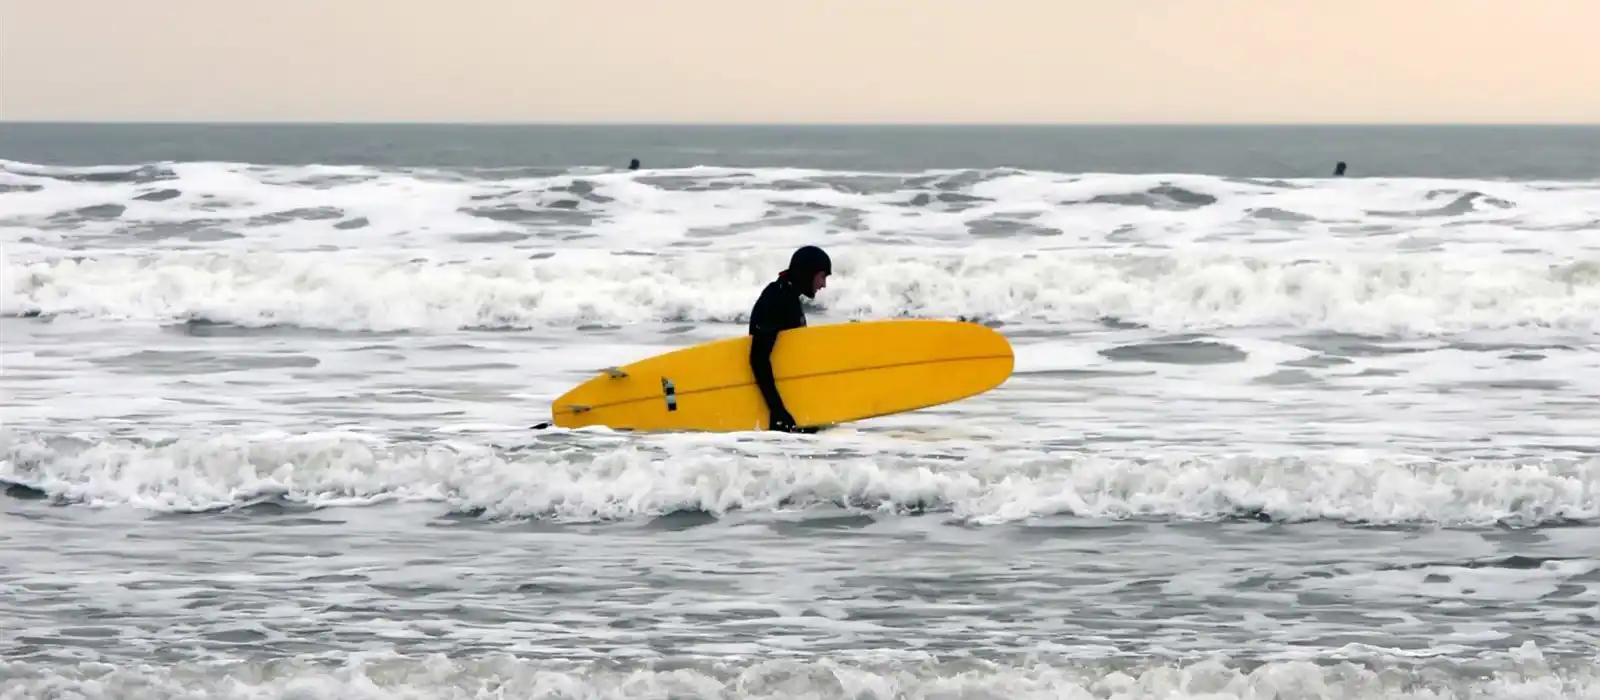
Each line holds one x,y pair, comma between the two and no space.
762,341
768,318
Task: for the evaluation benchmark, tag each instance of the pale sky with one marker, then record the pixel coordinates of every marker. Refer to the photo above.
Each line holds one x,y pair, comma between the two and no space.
1065,61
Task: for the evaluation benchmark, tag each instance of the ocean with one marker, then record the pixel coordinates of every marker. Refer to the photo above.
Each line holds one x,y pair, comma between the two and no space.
266,395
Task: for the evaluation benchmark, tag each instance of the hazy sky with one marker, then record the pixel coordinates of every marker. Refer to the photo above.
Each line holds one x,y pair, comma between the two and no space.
802,60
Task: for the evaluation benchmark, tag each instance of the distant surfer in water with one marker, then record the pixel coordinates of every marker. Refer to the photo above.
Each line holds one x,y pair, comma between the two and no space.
778,309
1338,169
633,164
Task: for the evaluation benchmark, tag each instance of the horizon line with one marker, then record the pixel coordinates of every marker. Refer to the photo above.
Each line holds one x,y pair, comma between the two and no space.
761,124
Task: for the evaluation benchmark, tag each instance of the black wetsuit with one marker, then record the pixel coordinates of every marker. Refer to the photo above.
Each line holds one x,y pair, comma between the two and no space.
777,309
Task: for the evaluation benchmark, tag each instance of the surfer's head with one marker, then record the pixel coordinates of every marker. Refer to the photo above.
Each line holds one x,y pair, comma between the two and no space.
809,268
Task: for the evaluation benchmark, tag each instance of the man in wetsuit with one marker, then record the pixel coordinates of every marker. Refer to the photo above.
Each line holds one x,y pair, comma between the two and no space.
778,309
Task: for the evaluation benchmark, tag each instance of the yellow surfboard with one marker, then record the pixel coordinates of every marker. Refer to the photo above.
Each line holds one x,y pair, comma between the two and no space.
827,374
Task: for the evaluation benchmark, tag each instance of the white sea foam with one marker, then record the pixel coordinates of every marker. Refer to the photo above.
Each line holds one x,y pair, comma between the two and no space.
1418,294
982,485
353,248
1525,675
312,207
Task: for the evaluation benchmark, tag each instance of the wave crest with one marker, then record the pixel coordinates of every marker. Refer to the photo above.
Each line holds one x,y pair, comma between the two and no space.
576,483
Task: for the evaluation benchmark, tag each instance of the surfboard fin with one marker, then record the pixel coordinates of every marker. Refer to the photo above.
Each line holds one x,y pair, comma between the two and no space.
615,372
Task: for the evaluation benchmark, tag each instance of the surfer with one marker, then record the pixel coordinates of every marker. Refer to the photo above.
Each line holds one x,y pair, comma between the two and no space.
778,309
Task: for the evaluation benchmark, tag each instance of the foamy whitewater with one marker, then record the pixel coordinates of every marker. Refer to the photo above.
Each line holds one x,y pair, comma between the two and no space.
266,435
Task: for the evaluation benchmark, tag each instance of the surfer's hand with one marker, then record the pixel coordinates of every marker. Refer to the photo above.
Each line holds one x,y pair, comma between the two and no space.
781,421
788,427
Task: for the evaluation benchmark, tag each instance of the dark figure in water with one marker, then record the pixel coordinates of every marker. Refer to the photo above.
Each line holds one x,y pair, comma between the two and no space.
633,164
778,309
1338,170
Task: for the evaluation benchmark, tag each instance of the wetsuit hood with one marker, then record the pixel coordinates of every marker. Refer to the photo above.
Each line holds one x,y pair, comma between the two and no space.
804,266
